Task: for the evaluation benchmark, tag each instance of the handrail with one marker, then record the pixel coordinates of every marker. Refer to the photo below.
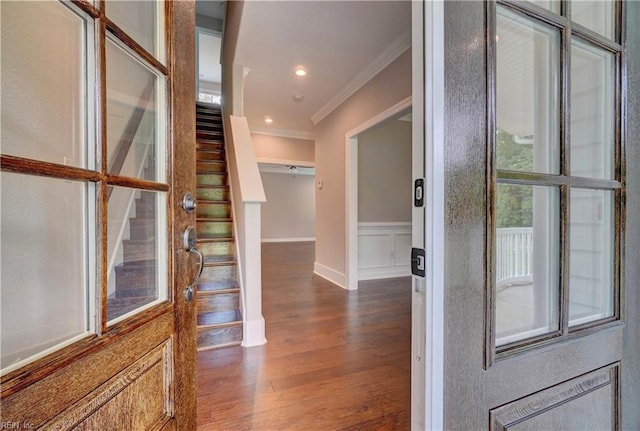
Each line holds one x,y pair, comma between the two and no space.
126,140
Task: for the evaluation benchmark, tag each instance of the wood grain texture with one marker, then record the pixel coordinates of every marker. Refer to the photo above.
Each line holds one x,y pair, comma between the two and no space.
335,359
465,214
181,20
630,375
142,390
43,400
471,388
562,398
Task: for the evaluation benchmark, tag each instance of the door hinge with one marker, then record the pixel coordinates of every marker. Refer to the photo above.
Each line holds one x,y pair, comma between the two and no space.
418,193
417,262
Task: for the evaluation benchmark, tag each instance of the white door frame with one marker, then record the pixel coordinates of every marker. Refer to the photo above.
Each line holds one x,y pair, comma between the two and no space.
351,186
427,342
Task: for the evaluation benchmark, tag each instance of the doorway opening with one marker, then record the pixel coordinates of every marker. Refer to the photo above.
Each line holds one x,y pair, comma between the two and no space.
373,232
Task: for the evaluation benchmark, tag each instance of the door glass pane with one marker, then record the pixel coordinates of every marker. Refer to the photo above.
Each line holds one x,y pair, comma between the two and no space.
592,102
137,250
527,95
552,5
44,82
527,240
45,282
143,21
135,101
591,256
598,16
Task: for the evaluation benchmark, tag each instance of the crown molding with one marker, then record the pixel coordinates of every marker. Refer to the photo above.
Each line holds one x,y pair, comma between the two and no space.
284,133
399,46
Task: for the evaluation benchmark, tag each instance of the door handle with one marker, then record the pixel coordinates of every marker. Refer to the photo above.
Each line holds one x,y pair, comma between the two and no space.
189,245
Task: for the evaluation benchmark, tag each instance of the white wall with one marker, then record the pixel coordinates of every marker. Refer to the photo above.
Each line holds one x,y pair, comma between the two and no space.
289,213
284,150
385,90
384,173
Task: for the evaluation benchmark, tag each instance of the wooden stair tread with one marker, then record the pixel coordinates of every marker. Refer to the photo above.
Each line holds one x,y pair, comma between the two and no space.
214,219
223,260
212,237
133,264
213,202
219,319
213,186
218,286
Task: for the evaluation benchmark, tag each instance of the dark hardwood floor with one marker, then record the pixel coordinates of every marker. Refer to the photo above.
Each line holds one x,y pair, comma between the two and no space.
334,360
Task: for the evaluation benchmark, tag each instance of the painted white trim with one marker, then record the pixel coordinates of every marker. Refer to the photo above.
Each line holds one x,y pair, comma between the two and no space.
286,162
249,179
330,274
300,239
434,93
381,273
284,133
351,186
254,332
383,224
393,51
381,117
282,170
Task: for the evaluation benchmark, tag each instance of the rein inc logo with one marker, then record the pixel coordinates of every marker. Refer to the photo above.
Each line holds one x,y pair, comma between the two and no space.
17,426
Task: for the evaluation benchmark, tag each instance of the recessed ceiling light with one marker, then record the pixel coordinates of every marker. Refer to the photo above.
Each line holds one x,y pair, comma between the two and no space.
301,71
268,120
298,98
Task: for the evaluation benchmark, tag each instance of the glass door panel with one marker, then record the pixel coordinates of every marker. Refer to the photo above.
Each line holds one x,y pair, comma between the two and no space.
136,142
592,102
143,20
47,272
137,250
527,94
598,16
527,256
591,256
45,81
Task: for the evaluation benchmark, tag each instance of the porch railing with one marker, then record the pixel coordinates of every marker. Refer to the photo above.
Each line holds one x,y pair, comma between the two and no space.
514,252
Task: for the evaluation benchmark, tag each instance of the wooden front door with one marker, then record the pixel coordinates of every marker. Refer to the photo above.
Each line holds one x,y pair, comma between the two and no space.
98,148
541,294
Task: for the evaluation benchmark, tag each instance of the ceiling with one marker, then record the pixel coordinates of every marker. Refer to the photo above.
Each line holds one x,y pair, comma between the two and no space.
338,43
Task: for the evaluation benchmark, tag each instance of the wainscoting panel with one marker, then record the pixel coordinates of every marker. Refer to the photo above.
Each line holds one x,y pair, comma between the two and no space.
384,250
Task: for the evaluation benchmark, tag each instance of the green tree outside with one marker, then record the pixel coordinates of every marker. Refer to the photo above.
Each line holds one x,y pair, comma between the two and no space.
514,204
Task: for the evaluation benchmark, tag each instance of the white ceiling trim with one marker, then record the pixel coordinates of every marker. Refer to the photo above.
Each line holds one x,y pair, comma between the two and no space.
287,169
284,133
301,163
392,52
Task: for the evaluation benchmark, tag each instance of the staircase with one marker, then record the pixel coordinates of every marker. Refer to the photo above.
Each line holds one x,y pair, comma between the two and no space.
136,276
219,320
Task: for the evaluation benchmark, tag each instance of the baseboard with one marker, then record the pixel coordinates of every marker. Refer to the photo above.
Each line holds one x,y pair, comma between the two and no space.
254,333
380,273
304,239
329,274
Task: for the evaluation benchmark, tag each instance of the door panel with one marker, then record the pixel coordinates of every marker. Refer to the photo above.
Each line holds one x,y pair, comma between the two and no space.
576,374
122,373
590,400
